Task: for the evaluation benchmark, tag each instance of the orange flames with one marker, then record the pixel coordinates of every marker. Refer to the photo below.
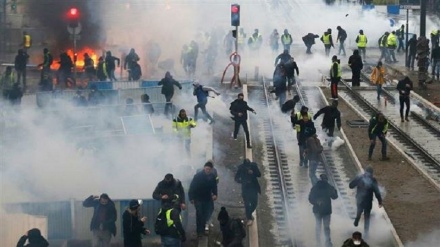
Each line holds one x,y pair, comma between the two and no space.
80,58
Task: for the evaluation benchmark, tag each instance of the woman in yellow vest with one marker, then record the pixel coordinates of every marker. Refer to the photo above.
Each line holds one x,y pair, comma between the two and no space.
361,41
182,126
378,78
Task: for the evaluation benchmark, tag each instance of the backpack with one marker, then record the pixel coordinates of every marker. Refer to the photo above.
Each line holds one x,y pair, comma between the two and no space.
161,224
241,227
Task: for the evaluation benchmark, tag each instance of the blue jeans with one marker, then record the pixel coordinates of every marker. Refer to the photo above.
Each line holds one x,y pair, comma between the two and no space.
250,198
202,106
341,47
373,144
203,209
302,160
323,220
379,90
282,98
170,242
313,164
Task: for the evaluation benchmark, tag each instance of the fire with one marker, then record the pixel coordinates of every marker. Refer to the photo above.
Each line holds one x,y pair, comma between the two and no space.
80,58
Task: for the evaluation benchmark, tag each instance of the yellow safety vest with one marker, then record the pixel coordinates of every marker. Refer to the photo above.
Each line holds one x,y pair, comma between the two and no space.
391,41
434,32
286,39
299,117
182,126
362,41
27,41
240,38
326,39
339,70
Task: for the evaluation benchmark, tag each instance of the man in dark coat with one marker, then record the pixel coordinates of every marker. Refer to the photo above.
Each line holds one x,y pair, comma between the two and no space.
280,83
331,114
247,175
356,65
168,188
304,127
202,191
404,87
34,238
110,65
168,84
65,69
20,66
378,128
342,36
320,197
366,186
283,58
309,41
412,51
132,226
239,109
290,67
175,234
130,63
355,241
103,221
290,104
232,230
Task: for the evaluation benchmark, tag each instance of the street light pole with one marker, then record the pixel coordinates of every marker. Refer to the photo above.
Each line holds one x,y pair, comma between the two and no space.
423,18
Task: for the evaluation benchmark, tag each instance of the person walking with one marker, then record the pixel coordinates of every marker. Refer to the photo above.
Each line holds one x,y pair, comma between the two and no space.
170,187
313,150
436,62
202,94
320,197
103,221
378,128
110,65
130,63
412,51
273,40
232,230
342,36
202,191
327,40
280,83
167,90
391,46
286,40
290,67
404,87
335,76
361,41
378,78
238,109
355,241
331,114
89,67
34,239
356,65
133,227
309,41
247,175
383,46
305,127
401,36
169,224
283,58
182,126
46,75
20,64
366,185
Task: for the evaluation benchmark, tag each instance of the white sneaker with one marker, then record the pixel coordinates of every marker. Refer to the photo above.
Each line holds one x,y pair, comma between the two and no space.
206,227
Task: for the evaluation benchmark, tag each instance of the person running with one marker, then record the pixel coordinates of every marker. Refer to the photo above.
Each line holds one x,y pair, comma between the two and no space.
247,175
404,87
168,84
378,78
378,128
202,94
239,109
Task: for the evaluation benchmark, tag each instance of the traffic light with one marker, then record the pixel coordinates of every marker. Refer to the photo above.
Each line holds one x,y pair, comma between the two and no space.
235,15
73,17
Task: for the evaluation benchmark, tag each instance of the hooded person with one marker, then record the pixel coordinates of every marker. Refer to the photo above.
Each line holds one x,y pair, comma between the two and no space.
34,238
355,241
132,226
247,175
331,115
167,90
239,109
356,65
232,229
290,104
169,187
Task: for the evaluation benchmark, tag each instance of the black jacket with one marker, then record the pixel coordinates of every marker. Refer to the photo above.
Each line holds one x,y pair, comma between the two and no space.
309,39
21,61
202,187
412,46
33,241
110,216
231,234
283,57
342,35
168,84
175,187
279,80
366,185
176,230
290,68
404,90
320,197
436,53
377,128
240,106
302,133
355,62
110,62
248,181
331,114
132,228
349,243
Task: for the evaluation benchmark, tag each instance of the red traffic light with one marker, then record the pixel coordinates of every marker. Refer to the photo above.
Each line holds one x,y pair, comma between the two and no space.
73,13
235,9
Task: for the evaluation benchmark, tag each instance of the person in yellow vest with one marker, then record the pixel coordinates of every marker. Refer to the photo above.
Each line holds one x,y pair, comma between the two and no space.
435,37
286,40
335,76
182,126
255,41
392,45
327,39
362,41
241,39
27,41
378,78
401,36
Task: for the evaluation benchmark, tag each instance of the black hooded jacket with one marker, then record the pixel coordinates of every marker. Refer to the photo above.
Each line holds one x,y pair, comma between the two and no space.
231,233
35,239
404,90
366,185
110,215
202,187
168,84
248,181
331,114
172,188
132,229
320,197
355,61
